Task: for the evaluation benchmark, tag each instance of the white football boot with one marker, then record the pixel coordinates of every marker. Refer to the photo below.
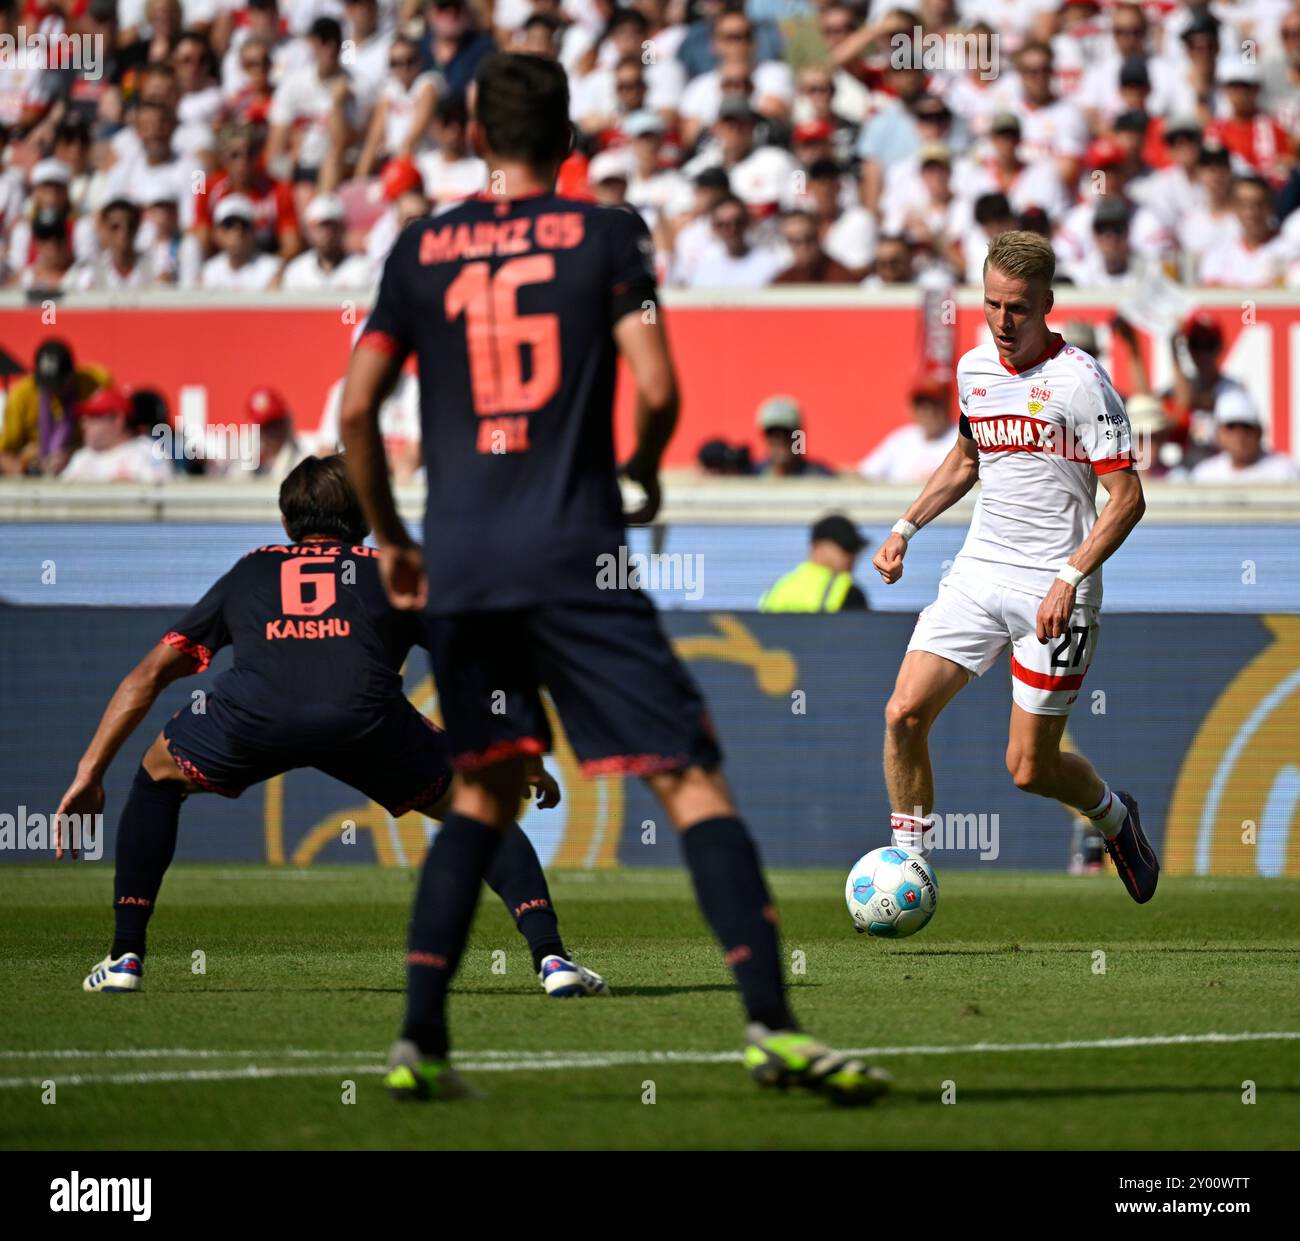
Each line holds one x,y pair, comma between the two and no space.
126,973
565,980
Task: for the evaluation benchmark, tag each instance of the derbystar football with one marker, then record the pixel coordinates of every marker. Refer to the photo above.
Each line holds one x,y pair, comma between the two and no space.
891,892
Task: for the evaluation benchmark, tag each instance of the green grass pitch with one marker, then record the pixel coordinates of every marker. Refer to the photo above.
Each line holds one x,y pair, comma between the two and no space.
303,993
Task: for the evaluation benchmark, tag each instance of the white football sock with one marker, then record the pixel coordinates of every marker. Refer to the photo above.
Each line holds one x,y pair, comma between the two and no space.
1108,815
908,832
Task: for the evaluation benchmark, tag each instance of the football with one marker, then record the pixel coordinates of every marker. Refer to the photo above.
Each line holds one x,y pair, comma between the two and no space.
891,892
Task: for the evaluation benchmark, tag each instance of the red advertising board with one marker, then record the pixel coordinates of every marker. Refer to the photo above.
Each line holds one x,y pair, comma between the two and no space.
850,366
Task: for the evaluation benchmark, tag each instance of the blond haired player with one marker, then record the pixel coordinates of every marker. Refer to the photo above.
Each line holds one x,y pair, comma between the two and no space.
1040,425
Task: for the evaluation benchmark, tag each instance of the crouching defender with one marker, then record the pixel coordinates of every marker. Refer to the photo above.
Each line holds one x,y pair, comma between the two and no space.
316,682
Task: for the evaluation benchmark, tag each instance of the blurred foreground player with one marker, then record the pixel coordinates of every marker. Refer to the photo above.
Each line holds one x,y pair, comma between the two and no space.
316,682
1040,426
516,305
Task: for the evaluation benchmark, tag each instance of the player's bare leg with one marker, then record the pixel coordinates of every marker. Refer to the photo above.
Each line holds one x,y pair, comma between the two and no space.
1038,765
733,896
483,807
926,684
145,845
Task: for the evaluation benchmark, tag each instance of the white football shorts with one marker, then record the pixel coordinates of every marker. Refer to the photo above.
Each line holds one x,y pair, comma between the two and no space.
972,622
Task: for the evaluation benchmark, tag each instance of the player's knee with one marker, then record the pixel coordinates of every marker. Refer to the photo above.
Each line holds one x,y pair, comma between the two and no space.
693,795
1029,772
491,794
905,717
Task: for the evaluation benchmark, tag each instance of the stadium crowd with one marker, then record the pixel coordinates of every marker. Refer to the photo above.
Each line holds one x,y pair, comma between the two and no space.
250,144
258,144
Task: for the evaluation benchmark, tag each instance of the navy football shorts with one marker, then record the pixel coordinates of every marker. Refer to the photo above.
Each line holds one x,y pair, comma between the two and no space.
627,704
403,762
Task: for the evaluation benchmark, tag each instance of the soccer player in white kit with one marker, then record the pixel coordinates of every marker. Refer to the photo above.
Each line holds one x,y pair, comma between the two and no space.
1040,425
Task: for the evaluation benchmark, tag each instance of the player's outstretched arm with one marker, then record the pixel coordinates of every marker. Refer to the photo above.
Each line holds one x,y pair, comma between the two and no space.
645,346
1123,511
958,473
130,703
371,376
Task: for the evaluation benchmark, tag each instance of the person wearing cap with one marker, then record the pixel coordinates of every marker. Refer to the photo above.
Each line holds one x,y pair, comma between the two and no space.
1110,262
932,215
692,231
451,171
1242,457
110,451
402,184
1250,133
314,117
1254,257
119,264
1119,70
1172,147
275,216
40,429
657,192
912,453
902,189
809,263
1024,184
780,422
326,265
399,122
238,264
824,582
278,448
736,262
608,175
1195,392
49,195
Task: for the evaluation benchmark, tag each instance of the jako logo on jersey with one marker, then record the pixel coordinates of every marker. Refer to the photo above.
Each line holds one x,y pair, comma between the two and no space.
332,628
979,392
131,1194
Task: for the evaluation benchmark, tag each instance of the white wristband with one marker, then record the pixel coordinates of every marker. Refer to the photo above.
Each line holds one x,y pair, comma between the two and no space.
905,528
1070,575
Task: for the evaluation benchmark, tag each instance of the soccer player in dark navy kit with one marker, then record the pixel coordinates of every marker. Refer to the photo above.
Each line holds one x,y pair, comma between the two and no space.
516,305
316,682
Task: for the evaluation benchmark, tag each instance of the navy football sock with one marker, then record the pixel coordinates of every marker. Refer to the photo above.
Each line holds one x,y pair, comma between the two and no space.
516,877
733,897
453,872
146,843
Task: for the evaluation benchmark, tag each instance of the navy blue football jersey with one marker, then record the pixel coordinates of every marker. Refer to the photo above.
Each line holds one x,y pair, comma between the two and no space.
318,649
509,306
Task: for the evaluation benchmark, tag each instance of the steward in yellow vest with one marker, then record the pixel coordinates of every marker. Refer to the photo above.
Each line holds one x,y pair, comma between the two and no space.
824,582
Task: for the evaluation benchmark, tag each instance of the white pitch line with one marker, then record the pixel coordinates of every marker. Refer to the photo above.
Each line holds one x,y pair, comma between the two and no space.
550,1061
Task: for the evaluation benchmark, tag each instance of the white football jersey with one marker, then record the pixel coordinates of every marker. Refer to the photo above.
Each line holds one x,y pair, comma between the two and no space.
1044,433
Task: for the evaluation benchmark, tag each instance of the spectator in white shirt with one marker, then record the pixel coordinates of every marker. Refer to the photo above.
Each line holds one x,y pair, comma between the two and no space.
911,454
326,265
110,453
735,264
239,265
400,119
119,264
1242,457
1254,258
1212,221
314,116
452,171
733,44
